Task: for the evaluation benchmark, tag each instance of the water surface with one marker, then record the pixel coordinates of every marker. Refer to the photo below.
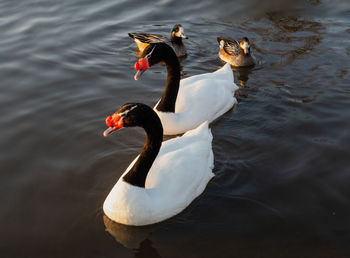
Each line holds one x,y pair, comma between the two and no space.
282,169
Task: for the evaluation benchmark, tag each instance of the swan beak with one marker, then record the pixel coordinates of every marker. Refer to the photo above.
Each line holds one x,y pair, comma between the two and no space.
138,74
108,131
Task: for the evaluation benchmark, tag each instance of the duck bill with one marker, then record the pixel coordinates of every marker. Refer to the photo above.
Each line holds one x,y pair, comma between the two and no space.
138,74
246,50
184,36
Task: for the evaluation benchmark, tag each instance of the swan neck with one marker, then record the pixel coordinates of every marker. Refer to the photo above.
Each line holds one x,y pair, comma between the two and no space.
168,100
154,135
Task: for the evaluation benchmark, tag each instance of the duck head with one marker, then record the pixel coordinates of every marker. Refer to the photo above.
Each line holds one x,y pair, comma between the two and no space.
178,32
245,45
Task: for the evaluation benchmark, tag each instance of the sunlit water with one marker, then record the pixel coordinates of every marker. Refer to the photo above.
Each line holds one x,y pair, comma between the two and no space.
282,157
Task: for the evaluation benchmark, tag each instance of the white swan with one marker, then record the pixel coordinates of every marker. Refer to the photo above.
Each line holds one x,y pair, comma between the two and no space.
166,177
187,103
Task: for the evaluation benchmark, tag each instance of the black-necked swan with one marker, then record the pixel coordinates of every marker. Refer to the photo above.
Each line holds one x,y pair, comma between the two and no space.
142,40
187,103
235,53
166,177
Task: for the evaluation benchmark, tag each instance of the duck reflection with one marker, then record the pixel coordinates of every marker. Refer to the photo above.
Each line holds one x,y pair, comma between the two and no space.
242,75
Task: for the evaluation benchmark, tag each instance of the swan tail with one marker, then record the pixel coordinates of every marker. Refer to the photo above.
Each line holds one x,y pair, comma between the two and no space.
201,130
227,71
227,75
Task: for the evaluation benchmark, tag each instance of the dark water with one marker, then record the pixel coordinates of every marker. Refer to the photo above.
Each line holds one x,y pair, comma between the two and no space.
282,155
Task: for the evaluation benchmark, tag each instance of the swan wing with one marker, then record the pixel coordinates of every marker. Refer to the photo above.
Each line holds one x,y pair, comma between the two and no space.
200,98
181,171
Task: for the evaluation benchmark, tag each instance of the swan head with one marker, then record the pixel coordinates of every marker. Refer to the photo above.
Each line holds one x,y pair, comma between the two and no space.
125,116
178,32
153,54
245,45
130,115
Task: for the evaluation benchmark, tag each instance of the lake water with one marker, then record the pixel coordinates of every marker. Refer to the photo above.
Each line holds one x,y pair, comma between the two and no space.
282,155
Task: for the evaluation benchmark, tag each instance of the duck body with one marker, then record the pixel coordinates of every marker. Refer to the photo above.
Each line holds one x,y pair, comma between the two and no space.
187,103
179,173
142,40
235,53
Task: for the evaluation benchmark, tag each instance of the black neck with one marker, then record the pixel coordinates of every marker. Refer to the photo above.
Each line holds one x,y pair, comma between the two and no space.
176,40
154,137
167,102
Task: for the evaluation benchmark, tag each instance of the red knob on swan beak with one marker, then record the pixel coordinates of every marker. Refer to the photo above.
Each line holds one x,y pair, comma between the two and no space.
113,122
142,64
137,66
109,121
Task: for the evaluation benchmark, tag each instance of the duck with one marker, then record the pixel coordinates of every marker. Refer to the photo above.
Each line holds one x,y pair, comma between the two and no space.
165,177
236,53
188,102
142,40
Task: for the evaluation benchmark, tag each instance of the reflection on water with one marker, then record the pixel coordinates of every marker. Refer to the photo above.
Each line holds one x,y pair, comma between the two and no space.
287,29
146,250
290,38
242,74
132,237
129,236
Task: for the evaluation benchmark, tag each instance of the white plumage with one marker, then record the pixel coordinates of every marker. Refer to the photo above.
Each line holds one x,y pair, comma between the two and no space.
201,98
178,175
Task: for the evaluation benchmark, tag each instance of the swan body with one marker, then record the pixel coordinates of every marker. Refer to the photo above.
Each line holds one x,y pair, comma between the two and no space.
236,53
200,98
142,40
189,102
178,174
